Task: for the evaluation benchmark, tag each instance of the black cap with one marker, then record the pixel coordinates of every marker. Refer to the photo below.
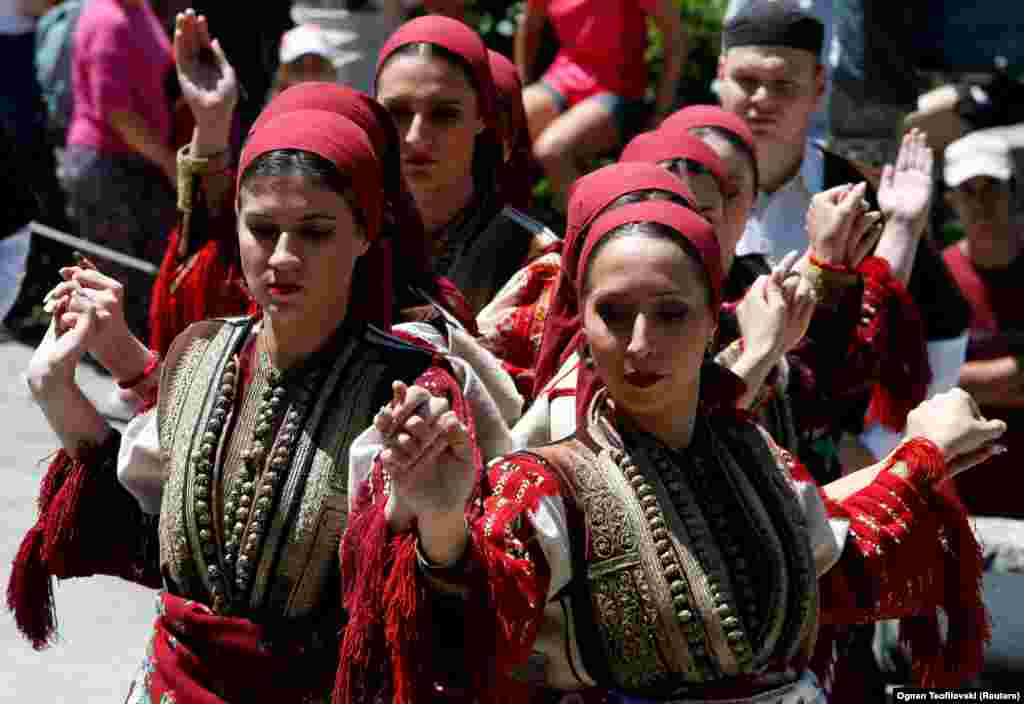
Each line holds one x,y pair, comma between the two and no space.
774,24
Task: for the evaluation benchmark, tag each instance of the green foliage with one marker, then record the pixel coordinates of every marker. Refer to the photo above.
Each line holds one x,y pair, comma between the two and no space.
702,22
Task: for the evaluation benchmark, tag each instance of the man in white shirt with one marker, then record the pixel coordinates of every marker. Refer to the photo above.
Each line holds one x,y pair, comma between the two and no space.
771,74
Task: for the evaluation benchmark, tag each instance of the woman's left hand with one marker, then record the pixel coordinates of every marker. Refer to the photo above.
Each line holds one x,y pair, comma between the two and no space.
905,191
208,81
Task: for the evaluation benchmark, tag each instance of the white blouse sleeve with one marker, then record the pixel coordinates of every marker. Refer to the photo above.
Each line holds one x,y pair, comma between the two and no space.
141,464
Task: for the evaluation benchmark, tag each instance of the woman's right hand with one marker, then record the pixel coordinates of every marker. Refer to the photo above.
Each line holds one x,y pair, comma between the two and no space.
210,86
840,229
953,421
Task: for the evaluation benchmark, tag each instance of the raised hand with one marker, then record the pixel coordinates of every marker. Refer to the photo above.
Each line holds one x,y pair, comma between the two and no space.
208,82
840,228
905,191
427,454
953,421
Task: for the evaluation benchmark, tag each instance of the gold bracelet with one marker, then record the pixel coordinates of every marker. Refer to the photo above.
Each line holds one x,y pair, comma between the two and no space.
829,285
191,167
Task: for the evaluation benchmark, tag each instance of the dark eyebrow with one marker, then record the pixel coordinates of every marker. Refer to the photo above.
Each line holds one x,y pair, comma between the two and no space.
401,101
305,218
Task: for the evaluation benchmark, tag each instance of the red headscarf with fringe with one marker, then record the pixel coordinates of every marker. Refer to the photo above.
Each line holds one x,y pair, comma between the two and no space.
515,179
348,148
589,196
669,144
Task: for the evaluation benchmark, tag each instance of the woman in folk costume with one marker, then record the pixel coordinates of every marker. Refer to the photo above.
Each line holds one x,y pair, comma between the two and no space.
551,415
201,276
668,550
805,386
231,491
434,77
865,346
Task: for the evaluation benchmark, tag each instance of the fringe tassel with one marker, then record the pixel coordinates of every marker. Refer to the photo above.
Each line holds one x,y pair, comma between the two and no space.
365,556
30,588
408,627
30,592
969,629
956,576
54,546
895,329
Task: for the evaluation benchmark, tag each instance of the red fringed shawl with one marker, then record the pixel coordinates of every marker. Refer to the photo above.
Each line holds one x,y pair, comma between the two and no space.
388,602
897,336
911,551
208,284
88,524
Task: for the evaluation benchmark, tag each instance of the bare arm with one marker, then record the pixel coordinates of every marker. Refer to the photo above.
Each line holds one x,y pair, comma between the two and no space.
898,246
527,42
995,382
676,43
51,379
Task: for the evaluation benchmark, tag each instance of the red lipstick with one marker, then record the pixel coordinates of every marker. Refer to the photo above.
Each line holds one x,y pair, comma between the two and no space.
283,289
643,380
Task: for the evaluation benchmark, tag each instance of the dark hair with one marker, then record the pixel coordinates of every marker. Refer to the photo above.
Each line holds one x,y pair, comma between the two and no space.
735,141
683,167
650,230
297,162
645,195
638,196
488,151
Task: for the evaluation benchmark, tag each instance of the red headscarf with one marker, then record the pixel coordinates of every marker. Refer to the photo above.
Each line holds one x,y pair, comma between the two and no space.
402,221
710,116
667,144
696,116
588,197
686,225
515,181
347,147
460,40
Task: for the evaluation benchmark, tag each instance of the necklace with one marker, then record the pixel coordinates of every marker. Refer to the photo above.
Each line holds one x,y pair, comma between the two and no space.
248,507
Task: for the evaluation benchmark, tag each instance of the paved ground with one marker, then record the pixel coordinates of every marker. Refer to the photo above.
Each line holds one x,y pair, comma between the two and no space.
103,621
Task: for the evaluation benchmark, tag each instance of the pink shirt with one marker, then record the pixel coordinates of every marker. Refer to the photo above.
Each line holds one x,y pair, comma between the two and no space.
605,38
120,62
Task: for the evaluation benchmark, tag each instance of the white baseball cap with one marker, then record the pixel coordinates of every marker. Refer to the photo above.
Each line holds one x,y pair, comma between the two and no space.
978,154
302,40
